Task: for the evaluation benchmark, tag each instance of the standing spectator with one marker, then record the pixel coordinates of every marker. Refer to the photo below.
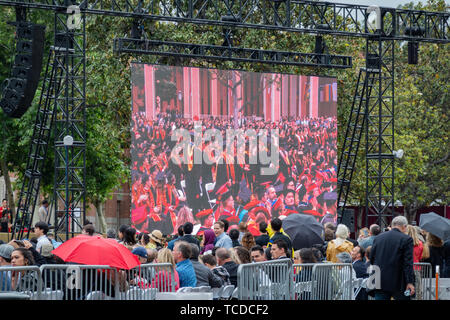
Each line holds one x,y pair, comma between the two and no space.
40,230
205,277
264,238
279,249
210,261
5,216
257,254
129,238
208,241
360,268
276,224
121,232
5,261
446,268
436,246
181,254
363,234
340,244
222,239
145,241
248,241
234,236
43,212
418,245
392,252
156,240
374,231
188,227
224,259
180,233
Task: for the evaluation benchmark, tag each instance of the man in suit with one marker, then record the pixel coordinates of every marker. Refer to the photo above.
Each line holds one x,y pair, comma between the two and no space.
360,269
392,252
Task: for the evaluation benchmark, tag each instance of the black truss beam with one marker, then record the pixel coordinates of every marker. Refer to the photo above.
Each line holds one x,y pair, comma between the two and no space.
294,16
210,52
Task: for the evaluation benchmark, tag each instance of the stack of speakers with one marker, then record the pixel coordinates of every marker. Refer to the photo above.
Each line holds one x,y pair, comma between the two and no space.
18,91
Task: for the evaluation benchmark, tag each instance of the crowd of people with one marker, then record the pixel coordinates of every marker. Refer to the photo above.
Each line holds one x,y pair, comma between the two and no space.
213,258
168,192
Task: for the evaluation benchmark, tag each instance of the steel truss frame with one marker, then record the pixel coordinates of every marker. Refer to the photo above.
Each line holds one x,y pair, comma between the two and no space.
312,17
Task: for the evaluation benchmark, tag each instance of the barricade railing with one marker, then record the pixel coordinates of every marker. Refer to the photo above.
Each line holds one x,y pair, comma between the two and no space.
332,281
269,280
25,280
423,285
148,279
82,282
303,280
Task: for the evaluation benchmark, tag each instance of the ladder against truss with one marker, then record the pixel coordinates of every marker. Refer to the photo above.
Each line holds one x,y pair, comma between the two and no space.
40,141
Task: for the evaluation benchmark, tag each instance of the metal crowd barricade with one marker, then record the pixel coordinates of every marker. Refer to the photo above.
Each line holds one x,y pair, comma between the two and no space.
423,285
148,279
303,280
81,282
26,280
332,281
269,280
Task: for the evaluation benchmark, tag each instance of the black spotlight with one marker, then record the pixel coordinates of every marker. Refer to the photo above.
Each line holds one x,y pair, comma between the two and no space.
19,89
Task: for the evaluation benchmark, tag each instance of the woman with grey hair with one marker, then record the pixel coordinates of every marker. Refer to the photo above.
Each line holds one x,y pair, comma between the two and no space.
340,244
346,276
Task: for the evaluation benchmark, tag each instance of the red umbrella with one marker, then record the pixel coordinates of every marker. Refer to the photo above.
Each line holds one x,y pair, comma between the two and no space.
96,250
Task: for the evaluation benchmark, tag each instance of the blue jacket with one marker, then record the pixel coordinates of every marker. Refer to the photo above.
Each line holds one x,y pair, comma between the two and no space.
186,273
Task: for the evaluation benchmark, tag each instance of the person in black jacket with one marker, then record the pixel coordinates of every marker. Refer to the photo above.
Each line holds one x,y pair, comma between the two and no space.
392,253
446,268
188,227
224,259
360,268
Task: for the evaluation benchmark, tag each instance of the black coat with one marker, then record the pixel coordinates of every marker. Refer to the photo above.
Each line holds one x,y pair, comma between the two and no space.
232,268
392,252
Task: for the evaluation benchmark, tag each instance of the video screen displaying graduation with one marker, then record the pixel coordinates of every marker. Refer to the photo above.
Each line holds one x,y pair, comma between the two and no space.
210,144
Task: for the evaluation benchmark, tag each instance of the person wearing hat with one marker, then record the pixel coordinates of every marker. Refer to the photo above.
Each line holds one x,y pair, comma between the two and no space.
156,240
5,261
141,253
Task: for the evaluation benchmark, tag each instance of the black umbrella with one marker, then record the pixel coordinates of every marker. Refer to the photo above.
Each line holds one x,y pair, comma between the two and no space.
435,224
304,230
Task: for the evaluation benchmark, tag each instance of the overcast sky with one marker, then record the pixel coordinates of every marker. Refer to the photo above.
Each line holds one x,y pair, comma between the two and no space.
381,3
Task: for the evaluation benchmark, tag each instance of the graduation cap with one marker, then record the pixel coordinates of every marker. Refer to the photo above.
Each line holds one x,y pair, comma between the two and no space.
266,184
233,219
249,206
312,212
223,189
204,213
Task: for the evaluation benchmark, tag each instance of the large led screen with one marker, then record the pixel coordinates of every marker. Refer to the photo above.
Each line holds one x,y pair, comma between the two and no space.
209,144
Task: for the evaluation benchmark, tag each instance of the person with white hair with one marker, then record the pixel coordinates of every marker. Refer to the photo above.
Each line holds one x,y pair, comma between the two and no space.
392,253
339,245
